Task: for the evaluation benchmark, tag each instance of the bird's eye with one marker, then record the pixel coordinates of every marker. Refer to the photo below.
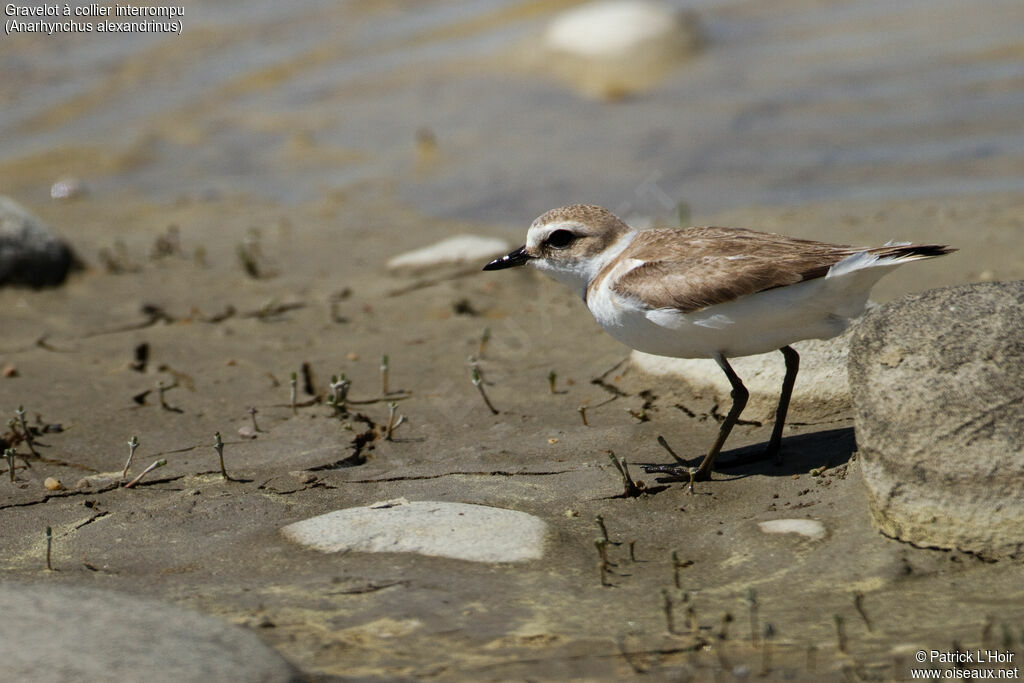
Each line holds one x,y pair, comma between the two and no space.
560,239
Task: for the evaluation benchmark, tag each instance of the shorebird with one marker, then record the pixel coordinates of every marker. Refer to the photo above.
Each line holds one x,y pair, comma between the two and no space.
709,292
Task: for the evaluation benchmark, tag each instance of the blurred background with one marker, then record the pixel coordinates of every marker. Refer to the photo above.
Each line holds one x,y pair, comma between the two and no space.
497,110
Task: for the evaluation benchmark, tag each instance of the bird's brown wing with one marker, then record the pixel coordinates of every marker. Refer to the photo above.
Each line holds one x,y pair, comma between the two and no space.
699,267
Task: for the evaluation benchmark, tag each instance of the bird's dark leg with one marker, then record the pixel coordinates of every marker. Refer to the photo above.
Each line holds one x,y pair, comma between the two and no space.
739,401
792,366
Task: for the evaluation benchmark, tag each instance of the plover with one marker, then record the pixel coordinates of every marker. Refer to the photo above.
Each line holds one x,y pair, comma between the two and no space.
709,292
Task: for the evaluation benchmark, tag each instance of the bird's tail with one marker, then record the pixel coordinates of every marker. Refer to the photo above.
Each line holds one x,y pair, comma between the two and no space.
892,254
911,252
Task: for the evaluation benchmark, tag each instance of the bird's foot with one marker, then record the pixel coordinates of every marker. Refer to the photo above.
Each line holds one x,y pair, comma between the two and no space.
674,472
682,470
702,475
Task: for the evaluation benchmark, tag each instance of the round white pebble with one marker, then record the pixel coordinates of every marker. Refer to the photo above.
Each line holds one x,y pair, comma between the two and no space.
811,528
458,530
603,29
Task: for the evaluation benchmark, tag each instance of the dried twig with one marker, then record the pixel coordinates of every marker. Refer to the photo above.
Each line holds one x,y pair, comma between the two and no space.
133,443
479,384
136,480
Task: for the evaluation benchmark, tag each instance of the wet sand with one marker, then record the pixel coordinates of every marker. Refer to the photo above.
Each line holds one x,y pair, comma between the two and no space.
226,341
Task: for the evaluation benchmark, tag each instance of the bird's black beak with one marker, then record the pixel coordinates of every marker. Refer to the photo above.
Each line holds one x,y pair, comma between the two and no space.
515,258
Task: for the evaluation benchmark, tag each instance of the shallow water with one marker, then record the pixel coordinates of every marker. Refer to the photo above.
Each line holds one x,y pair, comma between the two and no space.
787,102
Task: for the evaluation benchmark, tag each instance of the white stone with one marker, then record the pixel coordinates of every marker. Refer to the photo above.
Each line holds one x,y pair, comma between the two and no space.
608,29
462,531
68,188
452,251
811,528
611,50
821,382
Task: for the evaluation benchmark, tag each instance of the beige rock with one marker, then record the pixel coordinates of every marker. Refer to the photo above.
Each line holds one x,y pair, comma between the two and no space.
941,432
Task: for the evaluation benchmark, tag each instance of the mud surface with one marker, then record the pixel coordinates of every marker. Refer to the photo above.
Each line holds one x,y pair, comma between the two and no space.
221,341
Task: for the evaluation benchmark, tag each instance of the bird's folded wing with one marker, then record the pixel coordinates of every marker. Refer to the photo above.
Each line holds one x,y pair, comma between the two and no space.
689,270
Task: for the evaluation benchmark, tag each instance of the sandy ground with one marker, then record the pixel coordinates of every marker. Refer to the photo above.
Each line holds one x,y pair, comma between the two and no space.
853,605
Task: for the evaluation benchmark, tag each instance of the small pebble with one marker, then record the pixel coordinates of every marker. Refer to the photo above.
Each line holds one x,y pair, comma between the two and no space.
352,355
68,188
811,528
53,484
10,371
384,504
246,432
552,441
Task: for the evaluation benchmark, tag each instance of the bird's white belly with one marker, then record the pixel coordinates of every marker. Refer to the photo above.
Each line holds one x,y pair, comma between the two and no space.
762,322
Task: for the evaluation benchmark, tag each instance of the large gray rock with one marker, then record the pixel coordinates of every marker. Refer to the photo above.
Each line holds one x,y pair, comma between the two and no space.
938,391
30,253
65,633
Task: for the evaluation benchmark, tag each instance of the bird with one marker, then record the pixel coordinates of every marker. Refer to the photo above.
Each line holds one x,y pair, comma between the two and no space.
709,292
